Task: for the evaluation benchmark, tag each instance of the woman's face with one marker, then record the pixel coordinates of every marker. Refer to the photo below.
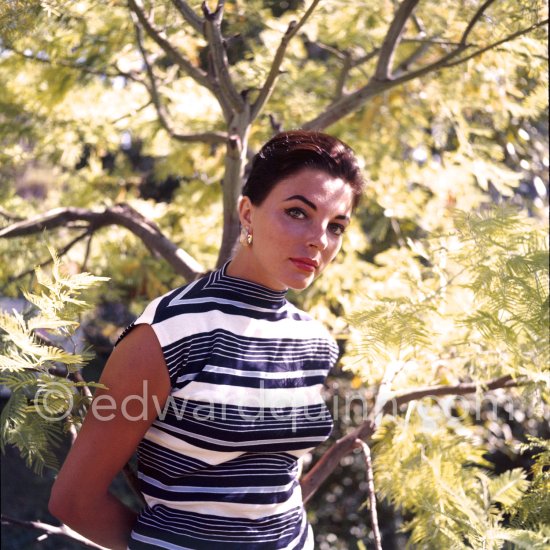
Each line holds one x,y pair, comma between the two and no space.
297,230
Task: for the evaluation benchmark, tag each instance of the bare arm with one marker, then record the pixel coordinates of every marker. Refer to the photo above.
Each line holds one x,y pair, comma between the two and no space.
114,426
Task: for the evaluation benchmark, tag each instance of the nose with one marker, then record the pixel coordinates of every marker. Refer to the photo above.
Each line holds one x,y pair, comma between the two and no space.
318,238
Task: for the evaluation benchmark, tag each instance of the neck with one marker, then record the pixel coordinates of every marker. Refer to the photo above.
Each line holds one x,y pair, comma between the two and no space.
244,267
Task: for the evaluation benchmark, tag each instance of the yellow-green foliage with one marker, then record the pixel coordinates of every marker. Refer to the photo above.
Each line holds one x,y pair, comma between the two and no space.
38,362
533,510
475,308
433,469
471,304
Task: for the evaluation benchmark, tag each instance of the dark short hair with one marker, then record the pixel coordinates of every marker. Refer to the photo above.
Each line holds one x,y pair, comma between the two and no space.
289,152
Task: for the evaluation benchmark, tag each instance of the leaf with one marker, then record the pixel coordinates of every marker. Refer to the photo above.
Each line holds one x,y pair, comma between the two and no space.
521,539
40,322
508,487
16,363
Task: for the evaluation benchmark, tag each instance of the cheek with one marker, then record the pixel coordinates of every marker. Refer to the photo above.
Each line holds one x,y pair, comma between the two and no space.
333,249
276,234
283,227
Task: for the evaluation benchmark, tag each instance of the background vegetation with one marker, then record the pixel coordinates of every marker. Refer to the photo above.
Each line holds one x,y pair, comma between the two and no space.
125,131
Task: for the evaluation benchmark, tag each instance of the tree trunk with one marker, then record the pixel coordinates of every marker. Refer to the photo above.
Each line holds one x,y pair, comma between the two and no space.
237,146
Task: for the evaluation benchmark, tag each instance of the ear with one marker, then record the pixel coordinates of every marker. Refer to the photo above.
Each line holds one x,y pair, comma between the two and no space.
245,211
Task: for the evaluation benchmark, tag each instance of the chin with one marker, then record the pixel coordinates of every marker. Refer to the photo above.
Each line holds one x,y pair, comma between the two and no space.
300,284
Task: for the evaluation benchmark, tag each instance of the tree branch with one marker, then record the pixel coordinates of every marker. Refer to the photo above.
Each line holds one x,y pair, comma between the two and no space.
120,214
372,494
329,461
206,137
134,111
498,43
10,216
156,34
415,56
477,16
269,84
365,58
342,77
391,41
349,103
62,530
459,389
212,32
189,15
61,252
77,67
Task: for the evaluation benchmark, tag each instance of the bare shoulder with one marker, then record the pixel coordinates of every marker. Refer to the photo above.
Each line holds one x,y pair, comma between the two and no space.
136,384
137,357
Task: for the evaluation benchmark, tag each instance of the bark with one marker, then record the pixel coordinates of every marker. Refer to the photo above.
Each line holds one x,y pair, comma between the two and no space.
372,494
235,159
383,80
329,461
120,214
392,39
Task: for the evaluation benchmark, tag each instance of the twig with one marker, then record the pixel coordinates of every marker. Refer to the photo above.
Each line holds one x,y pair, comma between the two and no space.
132,112
372,494
391,41
62,530
477,16
189,15
408,61
342,77
459,389
158,36
350,102
328,462
365,58
10,216
274,72
61,252
212,32
152,88
497,43
70,65
87,252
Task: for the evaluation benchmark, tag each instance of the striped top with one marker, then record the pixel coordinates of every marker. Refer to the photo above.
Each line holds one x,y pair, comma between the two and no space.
218,467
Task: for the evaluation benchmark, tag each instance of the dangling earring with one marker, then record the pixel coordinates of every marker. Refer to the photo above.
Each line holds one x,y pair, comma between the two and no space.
246,237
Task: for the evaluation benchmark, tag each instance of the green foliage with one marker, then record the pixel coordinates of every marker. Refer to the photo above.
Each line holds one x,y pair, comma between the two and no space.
78,127
473,302
38,364
432,468
80,82
474,308
533,510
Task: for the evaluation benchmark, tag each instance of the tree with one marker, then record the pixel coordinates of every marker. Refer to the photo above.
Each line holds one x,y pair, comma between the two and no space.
444,102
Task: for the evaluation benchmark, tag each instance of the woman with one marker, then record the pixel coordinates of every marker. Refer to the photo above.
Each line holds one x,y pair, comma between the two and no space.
217,384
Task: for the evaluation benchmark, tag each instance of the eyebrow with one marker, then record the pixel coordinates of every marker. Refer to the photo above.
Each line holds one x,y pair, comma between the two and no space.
313,206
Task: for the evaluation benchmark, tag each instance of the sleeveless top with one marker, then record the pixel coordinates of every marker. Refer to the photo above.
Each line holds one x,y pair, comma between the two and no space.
218,468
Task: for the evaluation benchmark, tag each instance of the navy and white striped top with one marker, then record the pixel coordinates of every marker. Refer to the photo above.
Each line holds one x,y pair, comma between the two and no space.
218,467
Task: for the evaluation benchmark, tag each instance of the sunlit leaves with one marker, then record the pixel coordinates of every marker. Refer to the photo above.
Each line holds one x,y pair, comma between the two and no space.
433,468
472,305
38,361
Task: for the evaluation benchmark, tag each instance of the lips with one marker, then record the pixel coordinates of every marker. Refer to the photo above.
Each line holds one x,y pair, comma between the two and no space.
305,264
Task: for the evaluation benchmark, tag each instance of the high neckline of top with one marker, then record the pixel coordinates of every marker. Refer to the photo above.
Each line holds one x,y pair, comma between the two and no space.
244,287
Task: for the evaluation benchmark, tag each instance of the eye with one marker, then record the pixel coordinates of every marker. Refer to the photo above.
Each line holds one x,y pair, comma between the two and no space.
337,228
296,213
